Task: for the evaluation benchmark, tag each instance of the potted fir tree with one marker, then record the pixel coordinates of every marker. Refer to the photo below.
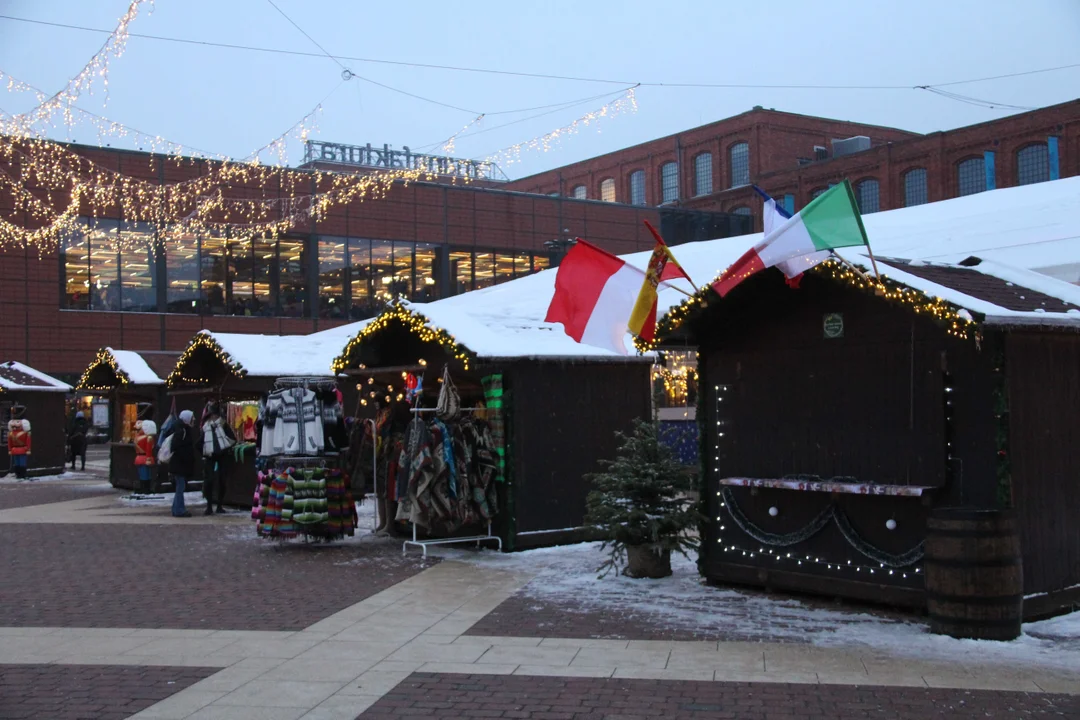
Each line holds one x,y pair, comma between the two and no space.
641,505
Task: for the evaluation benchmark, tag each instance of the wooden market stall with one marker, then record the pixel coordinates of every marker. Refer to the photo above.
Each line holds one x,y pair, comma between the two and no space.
841,418
237,371
30,395
133,382
559,403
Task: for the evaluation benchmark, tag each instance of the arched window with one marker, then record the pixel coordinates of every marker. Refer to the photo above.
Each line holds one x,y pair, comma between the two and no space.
915,187
703,174
1033,164
739,162
971,176
669,182
580,192
817,191
607,190
741,210
637,187
866,195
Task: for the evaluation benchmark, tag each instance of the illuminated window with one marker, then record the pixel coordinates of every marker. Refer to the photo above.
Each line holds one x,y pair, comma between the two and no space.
637,187
484,270
212,271
461,267
264,294
1033,164
971,176
866,195
104,278
332,255
382,271
504,267
669,182
607,190
703,174
292,280
75,259
739,163
182,273
361,304
540,263
915,187
138,268
427,281
580,192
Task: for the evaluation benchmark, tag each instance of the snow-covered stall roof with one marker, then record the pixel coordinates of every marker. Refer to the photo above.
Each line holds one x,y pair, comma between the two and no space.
16,376
128,366
248,355
1014,230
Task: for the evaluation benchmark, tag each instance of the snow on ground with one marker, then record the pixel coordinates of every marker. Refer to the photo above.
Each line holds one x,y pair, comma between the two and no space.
191,499
67,476
684,602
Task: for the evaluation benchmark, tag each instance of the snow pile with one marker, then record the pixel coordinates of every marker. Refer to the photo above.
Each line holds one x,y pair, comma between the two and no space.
134,366
683,602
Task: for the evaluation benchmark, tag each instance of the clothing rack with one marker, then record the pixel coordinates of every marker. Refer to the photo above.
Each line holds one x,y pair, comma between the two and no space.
423,544
308,383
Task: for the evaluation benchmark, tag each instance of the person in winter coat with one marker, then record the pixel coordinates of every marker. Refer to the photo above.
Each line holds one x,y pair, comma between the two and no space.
182,462
217,438
77,439
145,430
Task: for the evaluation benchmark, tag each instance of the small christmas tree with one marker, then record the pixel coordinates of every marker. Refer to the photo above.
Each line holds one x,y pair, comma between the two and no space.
640,503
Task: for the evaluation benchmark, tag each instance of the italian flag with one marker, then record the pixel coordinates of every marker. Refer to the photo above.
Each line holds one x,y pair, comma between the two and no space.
830,221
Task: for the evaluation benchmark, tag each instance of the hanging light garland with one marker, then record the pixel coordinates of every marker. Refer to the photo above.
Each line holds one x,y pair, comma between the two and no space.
957,321
103,358
676,379
203,341
416,324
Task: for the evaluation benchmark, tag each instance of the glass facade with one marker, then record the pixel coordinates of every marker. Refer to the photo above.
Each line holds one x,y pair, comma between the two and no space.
669,182
971,176
110,265
118,266
867,196
1033,164
703,174
739,162
637,187
915,187
607,190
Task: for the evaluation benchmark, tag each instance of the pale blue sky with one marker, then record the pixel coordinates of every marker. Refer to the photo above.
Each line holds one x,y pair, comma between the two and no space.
231,101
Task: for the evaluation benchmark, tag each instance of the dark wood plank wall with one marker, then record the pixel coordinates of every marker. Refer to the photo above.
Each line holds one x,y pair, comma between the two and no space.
565,416
1043,372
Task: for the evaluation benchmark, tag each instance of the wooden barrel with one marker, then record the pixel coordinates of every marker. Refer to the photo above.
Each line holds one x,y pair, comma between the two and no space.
974,577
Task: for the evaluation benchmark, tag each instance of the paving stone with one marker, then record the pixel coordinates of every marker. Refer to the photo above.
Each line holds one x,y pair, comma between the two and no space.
60,692
183,576
563,698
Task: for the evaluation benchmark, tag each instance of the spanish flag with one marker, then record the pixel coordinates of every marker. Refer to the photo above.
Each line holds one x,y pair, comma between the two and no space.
662,267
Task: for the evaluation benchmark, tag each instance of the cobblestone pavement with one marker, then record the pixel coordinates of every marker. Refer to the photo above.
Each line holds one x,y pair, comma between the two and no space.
176,576
433,696
88,692
574,617
26,494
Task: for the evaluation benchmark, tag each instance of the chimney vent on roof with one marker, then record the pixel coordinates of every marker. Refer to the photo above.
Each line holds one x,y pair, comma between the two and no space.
850,145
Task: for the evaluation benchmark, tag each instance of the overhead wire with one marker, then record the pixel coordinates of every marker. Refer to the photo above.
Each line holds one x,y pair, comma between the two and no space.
545,76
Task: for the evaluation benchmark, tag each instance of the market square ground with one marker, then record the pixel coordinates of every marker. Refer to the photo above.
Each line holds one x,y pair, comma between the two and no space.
116,610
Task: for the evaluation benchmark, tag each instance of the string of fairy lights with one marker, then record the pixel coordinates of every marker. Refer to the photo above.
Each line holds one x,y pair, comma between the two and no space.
104,358
956,321
416,324
184,191
203,342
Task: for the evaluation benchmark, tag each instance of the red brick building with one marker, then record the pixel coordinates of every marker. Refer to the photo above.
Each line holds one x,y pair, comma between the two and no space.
422,241
794,157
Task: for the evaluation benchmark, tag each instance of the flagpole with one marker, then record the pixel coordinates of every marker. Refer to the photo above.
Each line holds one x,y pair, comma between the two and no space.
873,262
660,240
854,269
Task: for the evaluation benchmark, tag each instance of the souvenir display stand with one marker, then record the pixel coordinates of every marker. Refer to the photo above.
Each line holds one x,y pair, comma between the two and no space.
552,418
133,382
301,489
31,409
478,539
